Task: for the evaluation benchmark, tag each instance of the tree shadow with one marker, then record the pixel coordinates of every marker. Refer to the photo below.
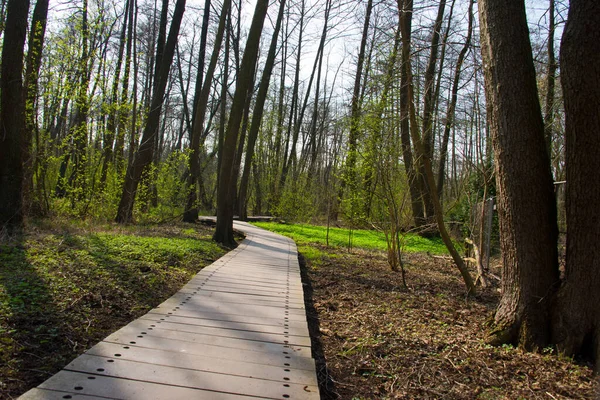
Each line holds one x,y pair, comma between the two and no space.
35,339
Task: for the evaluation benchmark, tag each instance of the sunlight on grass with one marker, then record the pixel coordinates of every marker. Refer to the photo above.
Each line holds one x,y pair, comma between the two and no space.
361,238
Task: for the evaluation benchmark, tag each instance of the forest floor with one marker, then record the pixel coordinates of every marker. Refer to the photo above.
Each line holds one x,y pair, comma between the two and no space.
383,341
64,286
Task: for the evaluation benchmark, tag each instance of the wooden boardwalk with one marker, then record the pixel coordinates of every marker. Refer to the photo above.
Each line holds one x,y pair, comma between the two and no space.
237,330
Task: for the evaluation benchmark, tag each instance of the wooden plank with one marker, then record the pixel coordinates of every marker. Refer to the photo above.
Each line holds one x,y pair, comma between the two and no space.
202,362
208,297
45,394
248,356
234,309
134,332
241,319
115,388
279,337
183,297
298,329
189,378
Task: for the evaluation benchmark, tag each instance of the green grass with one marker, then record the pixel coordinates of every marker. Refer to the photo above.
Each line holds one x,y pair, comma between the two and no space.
64,287
361,238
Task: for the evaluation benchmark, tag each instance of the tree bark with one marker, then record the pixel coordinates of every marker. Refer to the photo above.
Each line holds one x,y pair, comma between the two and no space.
576,324
12,116
144,155
224,230
526,205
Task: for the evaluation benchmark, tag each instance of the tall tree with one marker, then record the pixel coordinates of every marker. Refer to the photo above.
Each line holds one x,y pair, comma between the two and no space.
577,317
12,115
78,134
550,80
114,108
526,206
355,102
224,230
415,184
451,110
37,33
261,98
428,110
201,102
145,153
428,170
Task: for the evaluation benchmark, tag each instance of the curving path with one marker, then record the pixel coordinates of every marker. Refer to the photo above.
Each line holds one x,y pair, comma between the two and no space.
237,330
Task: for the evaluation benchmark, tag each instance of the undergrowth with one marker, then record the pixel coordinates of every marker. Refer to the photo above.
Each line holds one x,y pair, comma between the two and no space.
64,285
356,238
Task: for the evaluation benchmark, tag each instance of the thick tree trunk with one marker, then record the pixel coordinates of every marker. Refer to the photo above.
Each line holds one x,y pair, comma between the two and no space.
224,230
576,324
144,155
527,210
12,116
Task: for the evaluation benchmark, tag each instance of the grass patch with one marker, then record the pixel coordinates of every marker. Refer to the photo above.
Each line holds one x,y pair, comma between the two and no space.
64,287
361,238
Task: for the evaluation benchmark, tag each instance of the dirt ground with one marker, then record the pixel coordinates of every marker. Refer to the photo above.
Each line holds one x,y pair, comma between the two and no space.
380,340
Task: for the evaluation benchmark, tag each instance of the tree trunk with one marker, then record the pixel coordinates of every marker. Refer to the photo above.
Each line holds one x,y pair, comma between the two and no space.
290,153
550,81
224,230
117,155
350,173
576,324
114,113
34,61
526,206
258,113
414,183
191,210
449,123
426,161
428,110
144,155
12,116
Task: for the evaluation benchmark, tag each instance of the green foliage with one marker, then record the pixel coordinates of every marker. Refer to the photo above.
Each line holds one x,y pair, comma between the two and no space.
295,207
362,238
